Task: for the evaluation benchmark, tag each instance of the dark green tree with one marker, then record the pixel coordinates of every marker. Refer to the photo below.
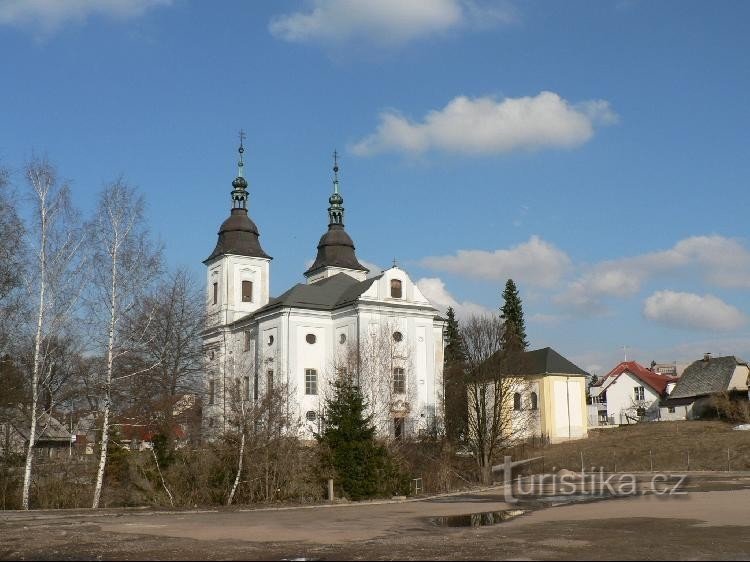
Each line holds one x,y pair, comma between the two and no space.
361,464
514,335
456,408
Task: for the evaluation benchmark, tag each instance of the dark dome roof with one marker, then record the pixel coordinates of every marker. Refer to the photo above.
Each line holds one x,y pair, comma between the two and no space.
336,249
238,235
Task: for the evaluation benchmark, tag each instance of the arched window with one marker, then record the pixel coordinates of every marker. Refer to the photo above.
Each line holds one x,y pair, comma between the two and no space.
517,401
399,381
395,288
247,291
533,401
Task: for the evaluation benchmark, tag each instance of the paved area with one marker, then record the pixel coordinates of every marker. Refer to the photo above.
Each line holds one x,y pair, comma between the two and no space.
701,525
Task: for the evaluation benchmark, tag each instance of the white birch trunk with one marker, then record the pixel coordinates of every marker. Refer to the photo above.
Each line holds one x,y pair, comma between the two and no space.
108,396
239,470
37,345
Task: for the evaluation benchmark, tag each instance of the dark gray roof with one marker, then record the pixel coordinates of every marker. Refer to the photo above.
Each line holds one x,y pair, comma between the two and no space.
327,294
704,377
238,235
335,249
547,361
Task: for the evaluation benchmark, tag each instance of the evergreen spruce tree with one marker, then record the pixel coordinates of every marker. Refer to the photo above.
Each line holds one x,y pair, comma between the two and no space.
456,407
514,336
349,447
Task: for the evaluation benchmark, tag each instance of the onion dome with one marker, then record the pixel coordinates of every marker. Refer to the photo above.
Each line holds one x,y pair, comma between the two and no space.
238,234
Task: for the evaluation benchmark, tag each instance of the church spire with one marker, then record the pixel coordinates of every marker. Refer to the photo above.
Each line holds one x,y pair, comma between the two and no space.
336,210
239,193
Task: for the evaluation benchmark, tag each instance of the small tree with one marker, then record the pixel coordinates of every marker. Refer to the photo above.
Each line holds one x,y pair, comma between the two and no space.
495,382
349,443
512,313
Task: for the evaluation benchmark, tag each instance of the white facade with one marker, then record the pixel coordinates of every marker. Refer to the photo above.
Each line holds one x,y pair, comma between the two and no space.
625,395
275,345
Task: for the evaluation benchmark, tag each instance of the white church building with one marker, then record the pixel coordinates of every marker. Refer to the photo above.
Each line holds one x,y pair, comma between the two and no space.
378,329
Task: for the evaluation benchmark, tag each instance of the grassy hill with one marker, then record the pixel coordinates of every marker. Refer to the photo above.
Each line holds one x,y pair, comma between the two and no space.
709,445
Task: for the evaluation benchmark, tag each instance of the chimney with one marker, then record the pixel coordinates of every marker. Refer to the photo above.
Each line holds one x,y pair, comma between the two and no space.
707,357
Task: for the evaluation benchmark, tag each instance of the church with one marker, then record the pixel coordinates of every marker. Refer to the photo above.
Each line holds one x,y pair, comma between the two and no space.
379,330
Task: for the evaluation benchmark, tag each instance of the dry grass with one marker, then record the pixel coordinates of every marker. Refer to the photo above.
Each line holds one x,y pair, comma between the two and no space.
710,445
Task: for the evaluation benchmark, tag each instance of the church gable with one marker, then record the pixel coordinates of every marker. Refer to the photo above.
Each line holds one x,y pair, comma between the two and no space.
394,286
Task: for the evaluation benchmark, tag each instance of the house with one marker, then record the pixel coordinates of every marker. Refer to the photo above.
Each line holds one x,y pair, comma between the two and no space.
546,397
629,393
341,321
691,396
53,439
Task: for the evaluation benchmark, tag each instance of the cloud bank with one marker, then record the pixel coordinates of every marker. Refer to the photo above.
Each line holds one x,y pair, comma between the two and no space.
435,291
485,125
719,261
691,311
535,262
47,16
385,23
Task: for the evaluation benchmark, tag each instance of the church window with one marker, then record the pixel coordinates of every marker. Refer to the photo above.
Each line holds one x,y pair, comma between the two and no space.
270,340
310,338
342,338
248,340
311,416
247,387
211,388
269,381
247,291
517,401
398,336
311,381
533,400
216,293
395,288
255,386
399,381
398,428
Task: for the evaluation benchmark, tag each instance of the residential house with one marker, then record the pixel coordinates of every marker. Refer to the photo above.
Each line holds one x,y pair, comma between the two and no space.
691,396
629,393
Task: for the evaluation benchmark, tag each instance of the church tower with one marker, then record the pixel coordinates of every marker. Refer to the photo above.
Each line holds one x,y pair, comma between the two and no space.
238,268
335,249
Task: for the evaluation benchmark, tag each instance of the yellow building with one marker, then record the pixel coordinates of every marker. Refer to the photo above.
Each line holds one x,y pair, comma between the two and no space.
557,388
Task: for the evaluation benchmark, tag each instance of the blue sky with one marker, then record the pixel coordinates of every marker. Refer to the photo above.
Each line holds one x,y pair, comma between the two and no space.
594,151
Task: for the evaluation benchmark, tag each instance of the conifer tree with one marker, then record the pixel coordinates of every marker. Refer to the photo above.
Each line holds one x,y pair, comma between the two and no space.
349,444
514,335
456,408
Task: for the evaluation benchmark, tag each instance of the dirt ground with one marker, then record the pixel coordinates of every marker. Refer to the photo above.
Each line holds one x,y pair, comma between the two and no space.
709,522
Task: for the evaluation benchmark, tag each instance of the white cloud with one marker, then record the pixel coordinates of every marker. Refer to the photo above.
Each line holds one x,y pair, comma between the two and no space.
485,125
535,262
385,22
47,16
722,262
688,310
434,290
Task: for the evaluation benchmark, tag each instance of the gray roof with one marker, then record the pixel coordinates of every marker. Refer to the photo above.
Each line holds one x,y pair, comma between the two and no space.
238,235
335,249
704,377
327,294
547,361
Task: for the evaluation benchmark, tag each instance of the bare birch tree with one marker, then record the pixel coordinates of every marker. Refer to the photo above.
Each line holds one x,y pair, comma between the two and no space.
124,265
494,376
53,281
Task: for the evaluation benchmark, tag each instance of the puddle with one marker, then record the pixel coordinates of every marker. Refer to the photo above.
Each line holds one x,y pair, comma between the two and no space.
483,519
